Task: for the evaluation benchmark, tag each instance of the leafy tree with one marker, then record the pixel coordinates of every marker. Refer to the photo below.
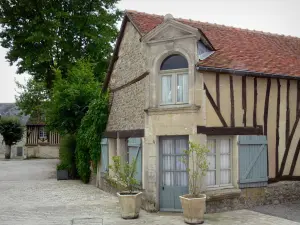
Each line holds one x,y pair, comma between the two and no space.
11,131
32,98
44,34
70,98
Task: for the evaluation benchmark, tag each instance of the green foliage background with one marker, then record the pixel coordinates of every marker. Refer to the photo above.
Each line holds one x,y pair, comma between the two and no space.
11,130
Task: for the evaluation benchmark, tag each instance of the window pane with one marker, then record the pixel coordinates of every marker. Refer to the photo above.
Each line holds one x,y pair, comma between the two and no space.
225,176
168,162
181,179
179,164
174,62
211,159
225,146
211,178
168,179
166,89
181,145
225,161
167,147
182,88
211,145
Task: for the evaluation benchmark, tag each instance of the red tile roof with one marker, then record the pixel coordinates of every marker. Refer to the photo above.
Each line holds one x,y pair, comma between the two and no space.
237,49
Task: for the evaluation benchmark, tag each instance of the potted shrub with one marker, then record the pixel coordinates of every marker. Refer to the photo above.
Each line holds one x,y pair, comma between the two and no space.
62,172
194,203
124,180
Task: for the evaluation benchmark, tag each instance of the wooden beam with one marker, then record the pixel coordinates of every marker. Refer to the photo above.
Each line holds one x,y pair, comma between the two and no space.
255,103
216,108
124,133
287,130
131,82
266,110
244,99
282,178
277,127
218,89
232,117
230,130
298,97
294,162
289,141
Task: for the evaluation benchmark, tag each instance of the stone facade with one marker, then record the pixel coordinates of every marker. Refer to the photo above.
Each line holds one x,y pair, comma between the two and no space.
276,193
42,151
127,105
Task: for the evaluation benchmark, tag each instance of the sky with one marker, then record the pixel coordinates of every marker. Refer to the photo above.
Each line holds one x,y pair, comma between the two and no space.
275,16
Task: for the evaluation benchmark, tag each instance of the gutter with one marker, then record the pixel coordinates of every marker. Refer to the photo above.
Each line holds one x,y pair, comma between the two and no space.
246,73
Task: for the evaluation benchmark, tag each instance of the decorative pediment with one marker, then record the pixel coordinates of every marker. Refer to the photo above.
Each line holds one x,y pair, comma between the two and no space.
171,30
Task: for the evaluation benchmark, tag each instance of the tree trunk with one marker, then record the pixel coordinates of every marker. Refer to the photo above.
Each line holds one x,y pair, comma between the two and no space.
7,151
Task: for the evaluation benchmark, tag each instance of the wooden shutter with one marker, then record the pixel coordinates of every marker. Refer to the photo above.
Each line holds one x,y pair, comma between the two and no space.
253,161
104,155
135,152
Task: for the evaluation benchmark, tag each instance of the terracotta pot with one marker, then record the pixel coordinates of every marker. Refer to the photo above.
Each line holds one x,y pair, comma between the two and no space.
193,208
130,204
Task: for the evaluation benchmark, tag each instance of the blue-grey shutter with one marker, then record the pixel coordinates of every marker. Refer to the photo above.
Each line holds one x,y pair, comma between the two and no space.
104,155
135,152
253,161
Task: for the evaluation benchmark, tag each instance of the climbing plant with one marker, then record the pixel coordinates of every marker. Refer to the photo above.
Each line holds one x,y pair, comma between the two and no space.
89,136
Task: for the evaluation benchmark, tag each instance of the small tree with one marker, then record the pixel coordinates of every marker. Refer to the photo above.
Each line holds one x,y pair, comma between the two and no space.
124,175
11,131
197,168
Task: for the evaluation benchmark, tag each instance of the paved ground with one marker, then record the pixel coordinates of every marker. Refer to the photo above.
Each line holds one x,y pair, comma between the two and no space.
290,211
30,195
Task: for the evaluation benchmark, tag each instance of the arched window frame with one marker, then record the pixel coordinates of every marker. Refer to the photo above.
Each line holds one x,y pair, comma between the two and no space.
174,76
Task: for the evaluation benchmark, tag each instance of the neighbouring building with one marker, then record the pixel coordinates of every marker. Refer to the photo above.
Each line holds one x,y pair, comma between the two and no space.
39,142
234,90
10,109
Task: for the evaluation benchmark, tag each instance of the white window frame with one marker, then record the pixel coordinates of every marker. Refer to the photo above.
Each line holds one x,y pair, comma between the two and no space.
42,133
218,162
173,74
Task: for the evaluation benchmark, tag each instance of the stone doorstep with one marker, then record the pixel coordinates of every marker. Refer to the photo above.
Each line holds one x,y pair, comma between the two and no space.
220,194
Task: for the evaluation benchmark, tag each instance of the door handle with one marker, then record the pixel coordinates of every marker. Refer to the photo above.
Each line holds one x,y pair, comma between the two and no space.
163,188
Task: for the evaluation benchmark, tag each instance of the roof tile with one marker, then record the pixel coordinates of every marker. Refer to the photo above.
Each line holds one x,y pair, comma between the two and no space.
237,48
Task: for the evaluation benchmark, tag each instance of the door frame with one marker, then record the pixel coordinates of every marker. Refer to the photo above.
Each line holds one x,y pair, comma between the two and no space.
159,163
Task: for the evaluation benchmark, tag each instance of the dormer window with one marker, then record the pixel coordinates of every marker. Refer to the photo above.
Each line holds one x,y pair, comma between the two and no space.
174,80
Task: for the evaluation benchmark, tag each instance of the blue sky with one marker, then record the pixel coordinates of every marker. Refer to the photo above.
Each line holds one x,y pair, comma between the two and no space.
275,16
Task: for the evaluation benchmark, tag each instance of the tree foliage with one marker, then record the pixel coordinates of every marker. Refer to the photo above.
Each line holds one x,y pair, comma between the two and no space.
32,98
44,34
70,98
89,135
11,130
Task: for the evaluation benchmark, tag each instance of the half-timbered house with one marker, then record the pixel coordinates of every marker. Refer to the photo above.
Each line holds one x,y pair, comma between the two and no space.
234,90
41,143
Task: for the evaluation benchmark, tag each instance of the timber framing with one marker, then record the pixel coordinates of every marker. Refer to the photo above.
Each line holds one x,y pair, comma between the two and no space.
131,82
216,108
124,133
230,130
282,178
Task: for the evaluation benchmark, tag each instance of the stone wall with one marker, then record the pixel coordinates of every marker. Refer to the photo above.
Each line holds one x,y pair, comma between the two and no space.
127,104
276,193
41,151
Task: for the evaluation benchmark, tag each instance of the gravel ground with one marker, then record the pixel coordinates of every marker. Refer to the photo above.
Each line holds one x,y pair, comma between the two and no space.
30,195
290,211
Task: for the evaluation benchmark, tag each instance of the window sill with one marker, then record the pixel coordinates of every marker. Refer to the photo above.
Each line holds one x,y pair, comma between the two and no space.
171,109
220,194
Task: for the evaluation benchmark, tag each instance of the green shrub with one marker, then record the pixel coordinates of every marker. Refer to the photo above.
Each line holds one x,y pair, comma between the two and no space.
67,155
123,175
61,166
